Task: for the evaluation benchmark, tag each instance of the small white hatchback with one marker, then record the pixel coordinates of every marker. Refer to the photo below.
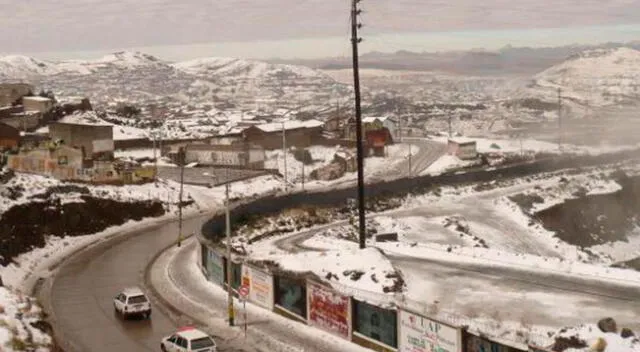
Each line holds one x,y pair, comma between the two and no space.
132,302
188,339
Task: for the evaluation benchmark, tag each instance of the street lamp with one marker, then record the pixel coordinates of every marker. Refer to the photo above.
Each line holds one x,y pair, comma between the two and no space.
228,236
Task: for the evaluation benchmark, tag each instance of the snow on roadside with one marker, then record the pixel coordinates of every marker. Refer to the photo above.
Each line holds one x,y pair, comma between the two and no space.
446,163
590,334
526,262
350,269
18,275
17,312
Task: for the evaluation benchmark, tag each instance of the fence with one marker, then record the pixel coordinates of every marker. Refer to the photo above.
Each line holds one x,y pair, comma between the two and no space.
214,228
322,305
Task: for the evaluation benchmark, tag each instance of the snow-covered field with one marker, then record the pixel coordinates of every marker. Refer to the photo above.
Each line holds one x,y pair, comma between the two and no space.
478,226
17,313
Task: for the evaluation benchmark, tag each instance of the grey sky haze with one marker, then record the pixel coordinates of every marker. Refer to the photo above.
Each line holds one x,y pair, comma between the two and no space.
98,25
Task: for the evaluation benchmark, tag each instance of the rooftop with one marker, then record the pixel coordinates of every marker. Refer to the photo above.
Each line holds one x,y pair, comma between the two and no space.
190,333
369,119
462,140
289,125
88,118
132,291
36,98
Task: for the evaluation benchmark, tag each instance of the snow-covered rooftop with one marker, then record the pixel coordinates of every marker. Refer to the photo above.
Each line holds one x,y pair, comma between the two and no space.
462,140
36,98
289,125
88,118
370,119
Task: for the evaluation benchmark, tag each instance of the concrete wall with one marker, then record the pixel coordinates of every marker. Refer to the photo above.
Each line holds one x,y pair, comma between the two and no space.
81,136
38,104
273,204
10,92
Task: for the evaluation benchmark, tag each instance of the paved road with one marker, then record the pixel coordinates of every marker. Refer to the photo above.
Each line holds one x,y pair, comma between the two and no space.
515,294
195,175
81,293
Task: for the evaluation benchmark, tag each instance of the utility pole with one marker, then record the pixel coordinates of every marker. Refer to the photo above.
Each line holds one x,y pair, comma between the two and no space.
227,219
155,157
356,87
560,119
182,158
449,124
410,160
284,155
303,174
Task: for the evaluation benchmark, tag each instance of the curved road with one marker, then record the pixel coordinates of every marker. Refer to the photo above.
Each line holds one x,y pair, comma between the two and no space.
79,299
510,293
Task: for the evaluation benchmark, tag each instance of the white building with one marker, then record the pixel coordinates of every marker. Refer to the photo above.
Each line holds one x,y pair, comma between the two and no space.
463,148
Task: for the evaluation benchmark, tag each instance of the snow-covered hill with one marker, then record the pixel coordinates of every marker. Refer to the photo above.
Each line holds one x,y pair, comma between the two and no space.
140,78
23,67
260,83
592,78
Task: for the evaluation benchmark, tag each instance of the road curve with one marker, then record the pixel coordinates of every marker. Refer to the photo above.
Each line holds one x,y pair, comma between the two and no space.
79,296
509,292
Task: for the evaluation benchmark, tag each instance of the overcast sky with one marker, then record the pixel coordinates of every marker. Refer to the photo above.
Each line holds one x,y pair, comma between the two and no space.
304,28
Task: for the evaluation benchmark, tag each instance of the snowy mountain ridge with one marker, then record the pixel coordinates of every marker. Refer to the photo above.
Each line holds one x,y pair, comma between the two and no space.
598,77
139,77
25,67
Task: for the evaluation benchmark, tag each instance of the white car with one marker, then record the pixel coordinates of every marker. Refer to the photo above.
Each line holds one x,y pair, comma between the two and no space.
188,339
132,301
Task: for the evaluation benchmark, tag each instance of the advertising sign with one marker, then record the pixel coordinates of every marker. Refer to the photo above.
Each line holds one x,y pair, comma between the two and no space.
291,295
103,145
215,268
419,334
376,323
260,286
478,344
328,310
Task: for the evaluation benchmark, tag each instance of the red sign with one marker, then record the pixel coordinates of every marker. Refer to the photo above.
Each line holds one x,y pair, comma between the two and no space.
328,310
243,291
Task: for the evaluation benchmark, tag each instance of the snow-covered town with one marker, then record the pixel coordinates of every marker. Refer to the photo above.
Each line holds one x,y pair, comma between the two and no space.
200,197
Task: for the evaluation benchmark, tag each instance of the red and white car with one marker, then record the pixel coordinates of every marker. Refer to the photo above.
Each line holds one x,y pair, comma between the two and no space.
132,301
188,339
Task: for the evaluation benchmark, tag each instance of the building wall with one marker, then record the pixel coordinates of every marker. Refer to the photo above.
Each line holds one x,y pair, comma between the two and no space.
464,151
300,137
82,136
36,104
23,121
9,136
10,92
236,155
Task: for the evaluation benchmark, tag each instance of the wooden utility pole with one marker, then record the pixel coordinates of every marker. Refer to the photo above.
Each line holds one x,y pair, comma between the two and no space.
355,40
560,119
182,159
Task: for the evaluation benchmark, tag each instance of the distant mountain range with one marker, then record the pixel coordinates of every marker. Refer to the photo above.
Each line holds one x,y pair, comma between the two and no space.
506,61
591,78
134,76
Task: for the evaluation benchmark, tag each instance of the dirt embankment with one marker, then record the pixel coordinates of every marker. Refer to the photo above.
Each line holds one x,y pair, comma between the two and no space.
596,219
25,226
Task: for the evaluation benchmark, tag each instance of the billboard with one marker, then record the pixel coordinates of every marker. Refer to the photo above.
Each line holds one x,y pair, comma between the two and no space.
214,267
260,286
375,323
291,295
328,310
103,145
478,344
419,334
